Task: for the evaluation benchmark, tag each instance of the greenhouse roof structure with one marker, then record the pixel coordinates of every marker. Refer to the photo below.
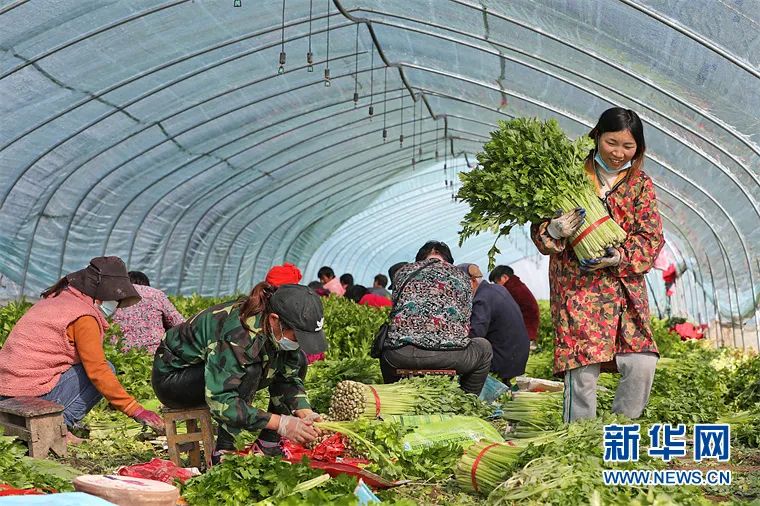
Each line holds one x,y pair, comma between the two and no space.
204,141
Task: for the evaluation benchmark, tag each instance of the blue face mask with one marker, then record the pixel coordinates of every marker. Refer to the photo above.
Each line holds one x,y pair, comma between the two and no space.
108,307
606,168
285,343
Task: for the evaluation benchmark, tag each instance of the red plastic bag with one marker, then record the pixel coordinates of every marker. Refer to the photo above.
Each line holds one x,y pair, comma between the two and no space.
157,469
688,331
7,490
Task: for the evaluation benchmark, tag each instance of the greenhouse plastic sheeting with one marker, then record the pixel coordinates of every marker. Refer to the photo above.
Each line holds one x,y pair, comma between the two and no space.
163,132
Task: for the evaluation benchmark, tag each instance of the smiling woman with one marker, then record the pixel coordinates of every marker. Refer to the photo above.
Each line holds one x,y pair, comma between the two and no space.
600,306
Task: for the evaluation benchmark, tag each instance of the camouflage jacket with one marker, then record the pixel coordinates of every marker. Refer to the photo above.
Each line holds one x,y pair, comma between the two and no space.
233,358
602,313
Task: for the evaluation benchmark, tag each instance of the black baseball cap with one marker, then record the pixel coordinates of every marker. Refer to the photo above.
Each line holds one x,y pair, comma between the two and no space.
301,309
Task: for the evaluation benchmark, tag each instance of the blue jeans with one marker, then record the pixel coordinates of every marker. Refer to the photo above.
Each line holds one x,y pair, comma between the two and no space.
76,393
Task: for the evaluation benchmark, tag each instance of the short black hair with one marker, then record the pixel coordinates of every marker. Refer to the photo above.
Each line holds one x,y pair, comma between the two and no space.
138,278
326,271
393,269
499,271
356,292
382,280
315,284
347,279
434,246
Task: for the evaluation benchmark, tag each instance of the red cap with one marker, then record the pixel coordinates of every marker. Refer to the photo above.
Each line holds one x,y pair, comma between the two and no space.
285,274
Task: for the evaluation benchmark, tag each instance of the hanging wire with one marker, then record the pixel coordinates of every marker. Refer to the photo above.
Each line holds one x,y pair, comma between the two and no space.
422,119
385,103
414,130
309,54
356,67
327,60
445,156
401,134
237,3
437,132
283,57
371,81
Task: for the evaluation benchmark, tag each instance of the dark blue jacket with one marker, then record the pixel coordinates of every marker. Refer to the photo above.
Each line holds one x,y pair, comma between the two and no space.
497,317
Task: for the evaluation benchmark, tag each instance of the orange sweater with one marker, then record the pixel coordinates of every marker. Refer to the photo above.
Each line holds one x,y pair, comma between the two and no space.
84,335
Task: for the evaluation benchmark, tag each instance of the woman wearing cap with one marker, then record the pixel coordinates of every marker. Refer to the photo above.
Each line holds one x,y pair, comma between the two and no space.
55,351
223,355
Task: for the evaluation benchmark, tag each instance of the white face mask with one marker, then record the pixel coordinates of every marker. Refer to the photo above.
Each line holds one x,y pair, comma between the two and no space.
285,343
108,307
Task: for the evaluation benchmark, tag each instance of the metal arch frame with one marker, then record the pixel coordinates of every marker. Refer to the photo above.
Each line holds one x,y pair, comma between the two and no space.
222,184
314,222
688,181
345,203
269,125
320,199
620,68
222,226
662,164
662,18
329,251
728,267
716,302
340,205
698,265
11,6
715,298
169,138
541,105
86,36
171,63
480,48
149,126
750,267
569,82
188,163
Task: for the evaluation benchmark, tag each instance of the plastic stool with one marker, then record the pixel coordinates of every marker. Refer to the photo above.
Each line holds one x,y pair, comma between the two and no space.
193,418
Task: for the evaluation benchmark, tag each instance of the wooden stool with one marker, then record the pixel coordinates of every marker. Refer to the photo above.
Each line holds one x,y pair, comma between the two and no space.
408,373
36,421
193,417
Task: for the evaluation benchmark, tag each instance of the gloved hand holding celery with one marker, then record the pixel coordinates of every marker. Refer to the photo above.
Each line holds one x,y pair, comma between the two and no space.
527,171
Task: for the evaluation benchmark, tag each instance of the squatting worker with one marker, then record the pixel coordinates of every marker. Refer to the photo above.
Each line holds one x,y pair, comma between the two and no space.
223,355
600,306
55,351
430,321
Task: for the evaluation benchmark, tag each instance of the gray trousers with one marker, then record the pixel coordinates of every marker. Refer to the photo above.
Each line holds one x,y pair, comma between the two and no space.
631,397
471,364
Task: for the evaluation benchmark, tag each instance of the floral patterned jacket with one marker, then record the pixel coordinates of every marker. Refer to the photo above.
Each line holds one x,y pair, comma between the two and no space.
599,314
433,310
144,323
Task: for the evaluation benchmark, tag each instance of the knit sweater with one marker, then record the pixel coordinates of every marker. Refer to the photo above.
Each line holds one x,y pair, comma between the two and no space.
55,334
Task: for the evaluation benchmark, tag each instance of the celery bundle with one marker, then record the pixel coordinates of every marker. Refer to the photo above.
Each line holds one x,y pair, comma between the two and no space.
534,413
528,171
484,465
413,396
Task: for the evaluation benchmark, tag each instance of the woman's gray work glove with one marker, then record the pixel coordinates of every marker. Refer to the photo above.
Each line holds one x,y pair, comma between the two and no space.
565,225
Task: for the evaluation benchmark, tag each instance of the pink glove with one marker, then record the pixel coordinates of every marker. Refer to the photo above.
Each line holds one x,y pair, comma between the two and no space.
151,419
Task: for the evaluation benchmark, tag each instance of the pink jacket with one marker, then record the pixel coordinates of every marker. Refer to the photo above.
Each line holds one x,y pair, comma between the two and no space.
38,349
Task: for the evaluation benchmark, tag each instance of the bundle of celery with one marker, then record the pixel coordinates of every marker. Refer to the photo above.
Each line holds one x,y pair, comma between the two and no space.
535,413
413,396
484,465
528,171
